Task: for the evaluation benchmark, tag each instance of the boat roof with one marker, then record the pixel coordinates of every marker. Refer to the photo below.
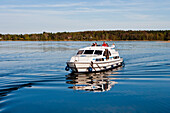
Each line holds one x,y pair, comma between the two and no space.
98,48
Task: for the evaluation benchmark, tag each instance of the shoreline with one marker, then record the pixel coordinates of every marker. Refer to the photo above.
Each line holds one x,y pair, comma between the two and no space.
162,41
165,41
109,35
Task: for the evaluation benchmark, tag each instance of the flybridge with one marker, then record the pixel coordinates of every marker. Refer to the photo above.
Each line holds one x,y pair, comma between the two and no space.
101,47
96,50
98,47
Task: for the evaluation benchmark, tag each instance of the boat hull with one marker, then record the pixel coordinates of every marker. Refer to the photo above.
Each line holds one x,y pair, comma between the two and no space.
88,67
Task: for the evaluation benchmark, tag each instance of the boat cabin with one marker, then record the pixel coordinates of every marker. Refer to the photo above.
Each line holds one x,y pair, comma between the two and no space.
98,53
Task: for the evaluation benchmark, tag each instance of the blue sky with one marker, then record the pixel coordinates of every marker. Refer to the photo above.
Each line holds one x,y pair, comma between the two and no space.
35,16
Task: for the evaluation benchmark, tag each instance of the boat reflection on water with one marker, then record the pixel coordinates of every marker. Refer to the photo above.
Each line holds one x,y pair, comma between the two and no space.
95,82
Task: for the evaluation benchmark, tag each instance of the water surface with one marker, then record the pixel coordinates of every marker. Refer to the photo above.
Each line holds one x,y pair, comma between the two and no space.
33,79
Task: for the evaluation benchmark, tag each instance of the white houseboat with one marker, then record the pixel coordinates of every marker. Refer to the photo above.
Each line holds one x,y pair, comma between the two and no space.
94,59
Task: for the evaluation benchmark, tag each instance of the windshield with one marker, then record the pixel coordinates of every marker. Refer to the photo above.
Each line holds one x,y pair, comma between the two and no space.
88,51
80,52
98,52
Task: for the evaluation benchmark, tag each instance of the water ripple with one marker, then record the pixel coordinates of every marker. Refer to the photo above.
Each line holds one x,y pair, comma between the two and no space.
32,75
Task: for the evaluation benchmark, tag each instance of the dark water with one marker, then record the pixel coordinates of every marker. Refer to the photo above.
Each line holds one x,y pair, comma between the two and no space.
33,79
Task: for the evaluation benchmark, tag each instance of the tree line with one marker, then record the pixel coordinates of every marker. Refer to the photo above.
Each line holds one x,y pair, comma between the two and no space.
90,36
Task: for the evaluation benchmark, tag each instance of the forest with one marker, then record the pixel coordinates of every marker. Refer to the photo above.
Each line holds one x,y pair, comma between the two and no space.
151,35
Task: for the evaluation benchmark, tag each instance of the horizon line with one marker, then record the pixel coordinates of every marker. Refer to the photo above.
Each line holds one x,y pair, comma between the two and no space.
85,31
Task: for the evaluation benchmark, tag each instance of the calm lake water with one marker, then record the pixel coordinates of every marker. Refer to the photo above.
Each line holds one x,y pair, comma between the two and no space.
33,79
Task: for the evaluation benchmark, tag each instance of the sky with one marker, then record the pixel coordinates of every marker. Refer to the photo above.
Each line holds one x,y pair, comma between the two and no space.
37,16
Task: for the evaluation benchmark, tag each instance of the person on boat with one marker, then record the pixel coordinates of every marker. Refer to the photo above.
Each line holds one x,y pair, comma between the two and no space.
107,45
106,54
93,44
104,44
113,45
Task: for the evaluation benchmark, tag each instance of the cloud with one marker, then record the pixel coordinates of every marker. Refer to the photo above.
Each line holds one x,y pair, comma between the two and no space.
65,12
85,7
134,16
42,5
79,4
79,10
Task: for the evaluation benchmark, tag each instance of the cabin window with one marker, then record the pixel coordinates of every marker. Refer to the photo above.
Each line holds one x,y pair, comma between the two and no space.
80,52
98,52
116,57
88,51
100,59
